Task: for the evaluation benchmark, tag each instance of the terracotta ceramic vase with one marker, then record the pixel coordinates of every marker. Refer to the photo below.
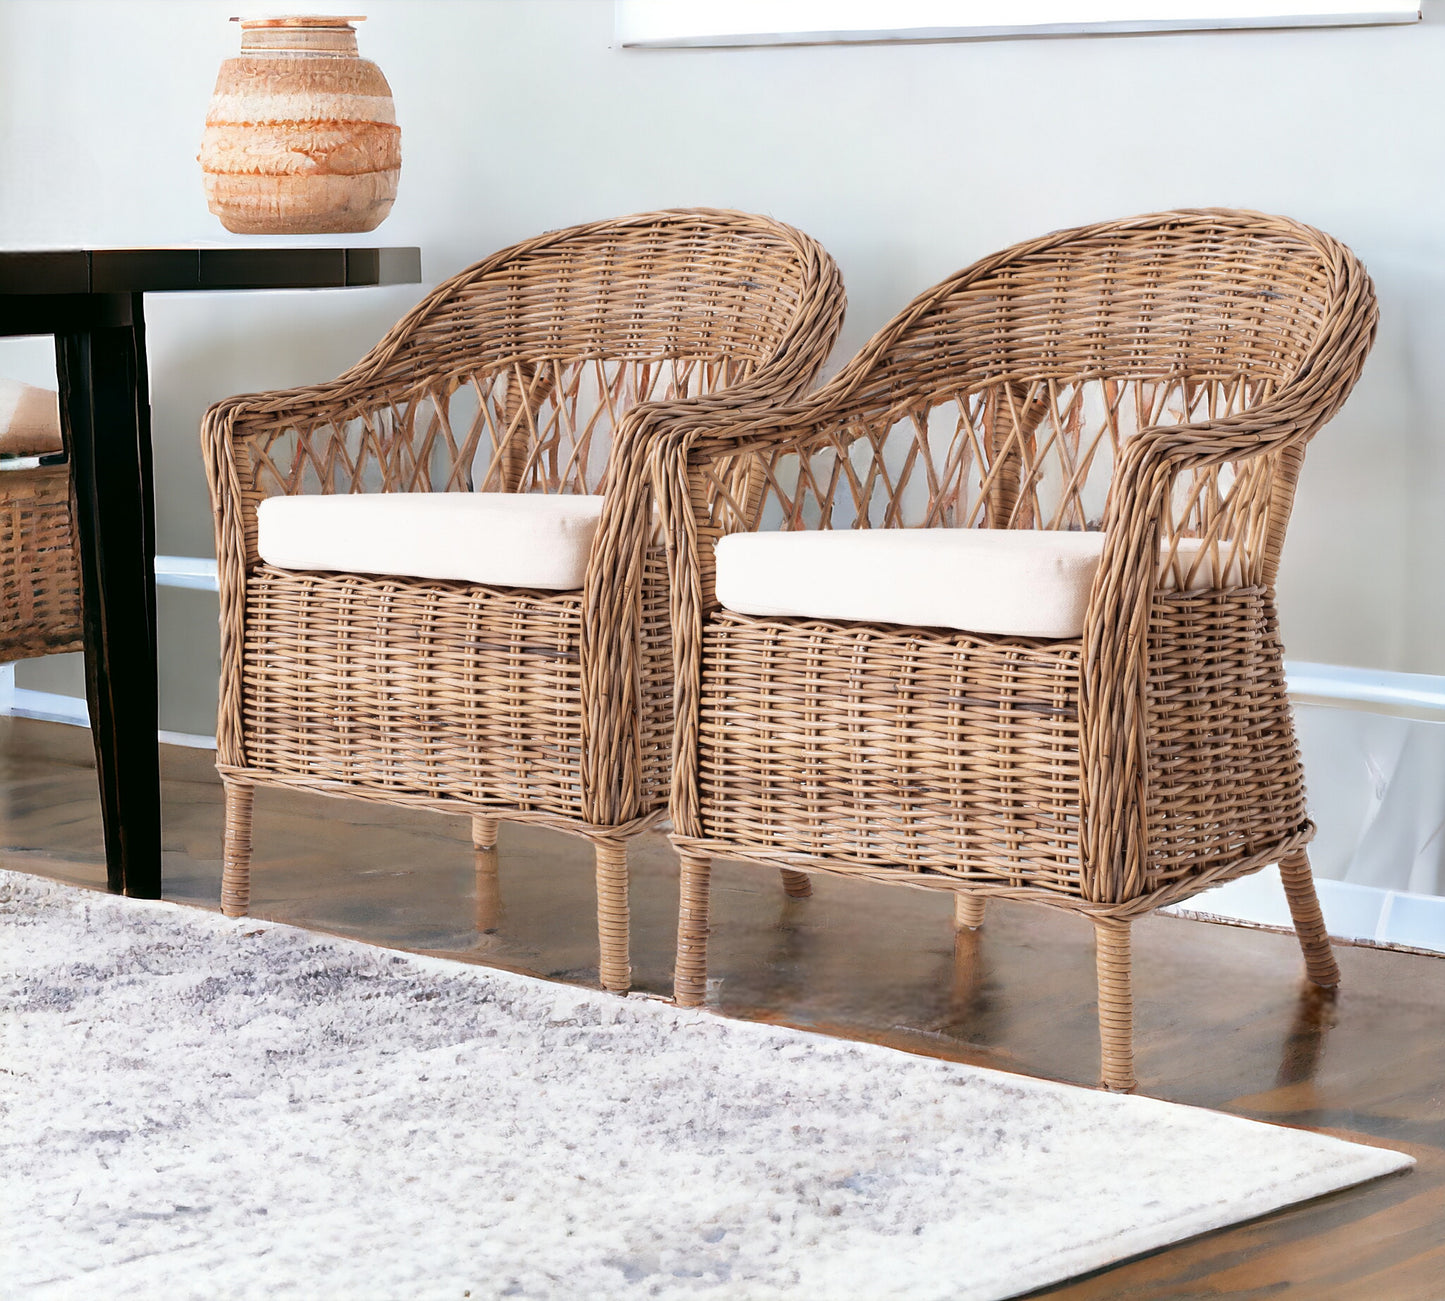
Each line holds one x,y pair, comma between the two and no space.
301,137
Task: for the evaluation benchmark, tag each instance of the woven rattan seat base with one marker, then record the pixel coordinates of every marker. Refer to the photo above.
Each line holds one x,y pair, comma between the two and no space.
916,750
439,692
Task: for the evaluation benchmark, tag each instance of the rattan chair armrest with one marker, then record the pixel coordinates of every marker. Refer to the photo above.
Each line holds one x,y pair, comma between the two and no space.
230,423
611,615
371,383
633,518
228,506
1139,505
225,431
630,522
310,402
1113,696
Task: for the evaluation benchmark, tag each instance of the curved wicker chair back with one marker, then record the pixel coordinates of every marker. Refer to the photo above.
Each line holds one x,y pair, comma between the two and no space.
1004,396
539,370
1156,379
514,374
1208,294
715,285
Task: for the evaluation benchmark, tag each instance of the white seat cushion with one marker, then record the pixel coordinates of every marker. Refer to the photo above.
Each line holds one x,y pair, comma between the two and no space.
1010,582
500,538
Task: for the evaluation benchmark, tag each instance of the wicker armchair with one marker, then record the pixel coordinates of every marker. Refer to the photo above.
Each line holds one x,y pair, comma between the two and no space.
1155,380
542,370
39,566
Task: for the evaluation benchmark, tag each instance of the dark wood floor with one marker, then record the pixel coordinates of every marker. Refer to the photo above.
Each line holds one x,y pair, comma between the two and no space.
1225,1020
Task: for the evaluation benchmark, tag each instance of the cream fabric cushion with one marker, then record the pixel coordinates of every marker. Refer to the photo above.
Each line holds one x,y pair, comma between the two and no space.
1013,582
29,419
500,538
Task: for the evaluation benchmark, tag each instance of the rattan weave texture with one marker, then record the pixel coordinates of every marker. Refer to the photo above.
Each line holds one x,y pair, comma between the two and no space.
1157,378
546,368
39,567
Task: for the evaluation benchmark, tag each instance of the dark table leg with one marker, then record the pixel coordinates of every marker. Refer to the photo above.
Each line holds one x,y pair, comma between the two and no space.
105,412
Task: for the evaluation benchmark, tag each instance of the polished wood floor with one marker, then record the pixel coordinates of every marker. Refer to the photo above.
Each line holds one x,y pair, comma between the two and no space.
1224,1018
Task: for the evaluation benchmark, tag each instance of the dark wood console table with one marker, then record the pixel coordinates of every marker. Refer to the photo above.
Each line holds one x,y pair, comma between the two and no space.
91,300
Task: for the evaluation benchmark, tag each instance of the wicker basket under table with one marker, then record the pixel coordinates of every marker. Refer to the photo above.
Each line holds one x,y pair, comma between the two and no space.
39,568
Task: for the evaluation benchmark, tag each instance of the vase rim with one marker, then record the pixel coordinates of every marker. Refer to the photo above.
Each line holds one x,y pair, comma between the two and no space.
337,21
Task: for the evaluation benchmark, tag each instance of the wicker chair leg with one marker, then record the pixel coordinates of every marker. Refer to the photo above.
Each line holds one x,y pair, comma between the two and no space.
489,883
484,831
967,911
236,859
799,885
614,964
690,978
969,975
1116,1003
1309,923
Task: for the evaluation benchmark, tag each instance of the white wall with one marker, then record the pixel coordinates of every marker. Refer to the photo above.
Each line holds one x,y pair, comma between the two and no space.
906,161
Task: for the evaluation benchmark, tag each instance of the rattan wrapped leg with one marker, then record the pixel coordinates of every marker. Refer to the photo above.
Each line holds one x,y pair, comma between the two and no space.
1116,1003
968,911
799,885
484,831
489,885
236,862
614,964
489,891
690,977
1309,923
969,976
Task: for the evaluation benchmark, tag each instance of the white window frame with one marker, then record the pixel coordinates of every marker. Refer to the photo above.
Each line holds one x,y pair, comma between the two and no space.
663,24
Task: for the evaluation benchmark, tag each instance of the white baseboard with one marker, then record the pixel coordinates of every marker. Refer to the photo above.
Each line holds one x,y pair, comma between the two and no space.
52,707
1352,912
191,740
1344,683
194,572
48,705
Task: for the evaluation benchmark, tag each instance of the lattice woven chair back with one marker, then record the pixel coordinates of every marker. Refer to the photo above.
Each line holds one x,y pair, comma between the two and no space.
1003,397
540,370
514,375
1156,380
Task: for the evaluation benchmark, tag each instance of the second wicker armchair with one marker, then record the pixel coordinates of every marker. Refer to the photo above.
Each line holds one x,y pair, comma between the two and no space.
442,582
39,567
1008,629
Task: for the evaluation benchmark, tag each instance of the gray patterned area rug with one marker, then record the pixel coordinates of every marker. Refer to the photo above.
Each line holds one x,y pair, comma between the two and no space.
197,1107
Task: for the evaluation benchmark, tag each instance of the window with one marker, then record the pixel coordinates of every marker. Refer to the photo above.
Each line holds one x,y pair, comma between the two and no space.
670,23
